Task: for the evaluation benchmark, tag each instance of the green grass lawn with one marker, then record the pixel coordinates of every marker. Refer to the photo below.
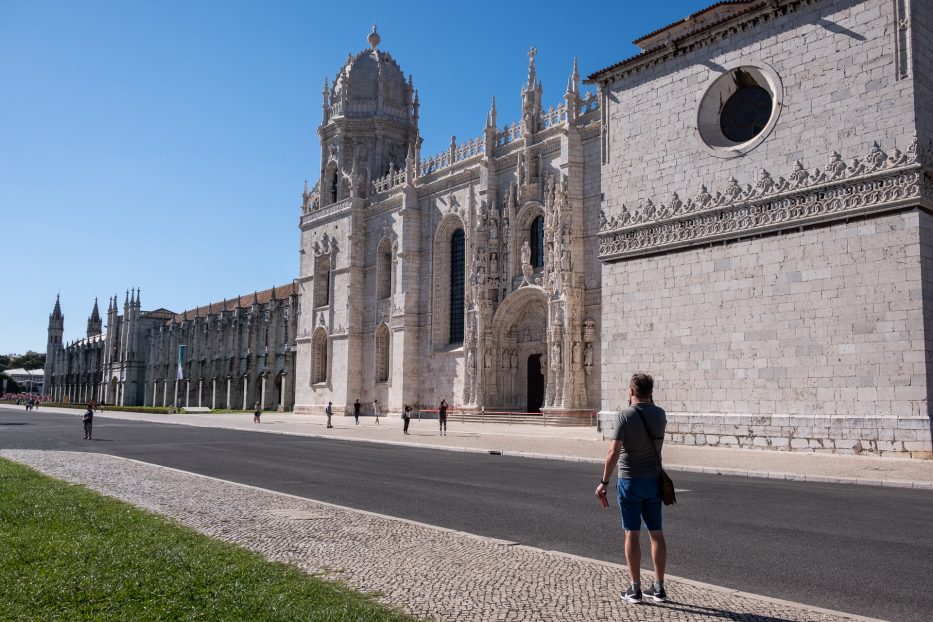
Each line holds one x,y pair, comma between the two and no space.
69,554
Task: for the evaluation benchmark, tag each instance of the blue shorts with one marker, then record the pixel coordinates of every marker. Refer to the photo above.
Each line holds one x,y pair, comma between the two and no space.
640,498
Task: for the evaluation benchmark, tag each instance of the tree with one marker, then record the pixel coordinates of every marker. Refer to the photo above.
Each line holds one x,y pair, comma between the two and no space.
30,360
11,385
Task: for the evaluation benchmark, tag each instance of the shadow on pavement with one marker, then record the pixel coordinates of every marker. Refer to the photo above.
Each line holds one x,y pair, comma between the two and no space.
725,614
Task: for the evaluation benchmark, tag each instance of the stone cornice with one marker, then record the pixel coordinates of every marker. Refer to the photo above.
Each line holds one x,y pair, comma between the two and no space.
768,10
876,183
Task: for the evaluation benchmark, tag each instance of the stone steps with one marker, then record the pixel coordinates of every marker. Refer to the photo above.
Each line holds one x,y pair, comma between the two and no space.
522,419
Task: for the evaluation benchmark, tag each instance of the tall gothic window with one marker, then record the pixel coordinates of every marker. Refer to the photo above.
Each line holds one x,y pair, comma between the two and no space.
537,242
382,353
333,187
384,270
319,357
322,282
456,286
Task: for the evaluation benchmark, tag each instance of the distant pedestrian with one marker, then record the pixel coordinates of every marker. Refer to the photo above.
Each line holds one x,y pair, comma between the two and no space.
88,420
442,417
636,447
356,411
257,412
376,409
329,411
406,417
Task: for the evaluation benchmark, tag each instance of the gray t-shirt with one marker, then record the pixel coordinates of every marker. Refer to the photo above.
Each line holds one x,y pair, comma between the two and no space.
638,459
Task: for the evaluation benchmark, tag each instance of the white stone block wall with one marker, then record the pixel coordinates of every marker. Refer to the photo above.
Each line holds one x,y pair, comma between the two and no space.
825,323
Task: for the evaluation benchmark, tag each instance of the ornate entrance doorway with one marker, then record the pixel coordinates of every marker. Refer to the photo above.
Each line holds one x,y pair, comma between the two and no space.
535,384
513,360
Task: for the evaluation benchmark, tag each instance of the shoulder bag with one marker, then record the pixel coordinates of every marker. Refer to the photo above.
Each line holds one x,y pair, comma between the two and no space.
667,484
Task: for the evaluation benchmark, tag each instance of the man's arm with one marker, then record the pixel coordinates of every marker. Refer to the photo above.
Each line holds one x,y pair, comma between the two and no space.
615,448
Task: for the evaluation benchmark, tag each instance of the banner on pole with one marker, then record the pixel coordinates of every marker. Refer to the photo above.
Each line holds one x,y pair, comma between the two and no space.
181,359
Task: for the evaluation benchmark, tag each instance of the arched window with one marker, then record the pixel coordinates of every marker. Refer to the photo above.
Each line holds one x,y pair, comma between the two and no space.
319,357
382,353
536,235
335,182
456,286
384,270
322,282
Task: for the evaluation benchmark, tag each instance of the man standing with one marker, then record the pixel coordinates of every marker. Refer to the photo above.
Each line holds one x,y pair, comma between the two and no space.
442,417
406,417
356,411
88,420
376,408
329,411
636,447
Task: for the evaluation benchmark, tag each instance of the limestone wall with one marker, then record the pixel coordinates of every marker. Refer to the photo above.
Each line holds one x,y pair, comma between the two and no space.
811,339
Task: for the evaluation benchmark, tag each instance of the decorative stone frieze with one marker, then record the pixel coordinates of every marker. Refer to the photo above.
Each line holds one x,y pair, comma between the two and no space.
873,183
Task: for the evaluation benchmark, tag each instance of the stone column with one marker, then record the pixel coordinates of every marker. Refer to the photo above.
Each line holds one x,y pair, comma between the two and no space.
200,391
245,390
262,393
227,403
282,392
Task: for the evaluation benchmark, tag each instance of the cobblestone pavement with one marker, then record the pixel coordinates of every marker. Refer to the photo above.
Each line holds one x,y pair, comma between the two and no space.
570,443
427,571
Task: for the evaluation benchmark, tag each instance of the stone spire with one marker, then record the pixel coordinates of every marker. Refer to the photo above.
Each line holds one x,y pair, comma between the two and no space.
491,117
572,95
94,324
325,105
531,98
57,311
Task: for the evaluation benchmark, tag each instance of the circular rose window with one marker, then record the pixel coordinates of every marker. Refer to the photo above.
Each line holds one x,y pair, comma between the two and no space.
739,109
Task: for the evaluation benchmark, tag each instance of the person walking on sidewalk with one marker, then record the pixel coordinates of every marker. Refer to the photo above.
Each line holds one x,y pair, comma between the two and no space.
257,412
88,420
356,411
406,417
376,408
329,411
636,447
442,417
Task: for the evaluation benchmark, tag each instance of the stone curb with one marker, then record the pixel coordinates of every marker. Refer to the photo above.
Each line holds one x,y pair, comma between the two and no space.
499,542
795,477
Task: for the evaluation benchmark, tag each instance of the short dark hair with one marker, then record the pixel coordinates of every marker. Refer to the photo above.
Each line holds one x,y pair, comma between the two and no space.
642,384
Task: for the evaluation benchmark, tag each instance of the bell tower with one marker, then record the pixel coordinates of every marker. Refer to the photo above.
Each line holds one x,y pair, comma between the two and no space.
54,344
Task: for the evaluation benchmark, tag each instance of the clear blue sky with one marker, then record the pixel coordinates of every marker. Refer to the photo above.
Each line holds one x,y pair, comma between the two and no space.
163,144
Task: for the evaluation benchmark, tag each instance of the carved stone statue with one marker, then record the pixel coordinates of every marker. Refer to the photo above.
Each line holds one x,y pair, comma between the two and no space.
527,270
588,356
576,353
555,356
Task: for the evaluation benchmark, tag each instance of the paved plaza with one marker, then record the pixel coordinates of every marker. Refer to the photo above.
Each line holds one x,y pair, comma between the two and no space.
425,570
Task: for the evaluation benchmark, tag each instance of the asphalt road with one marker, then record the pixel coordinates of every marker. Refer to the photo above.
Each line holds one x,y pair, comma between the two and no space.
861,549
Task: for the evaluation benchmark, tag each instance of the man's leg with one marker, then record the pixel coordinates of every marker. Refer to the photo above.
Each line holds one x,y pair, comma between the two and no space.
633,555
658,554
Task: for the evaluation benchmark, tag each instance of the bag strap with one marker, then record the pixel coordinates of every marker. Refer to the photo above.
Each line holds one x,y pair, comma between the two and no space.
650,438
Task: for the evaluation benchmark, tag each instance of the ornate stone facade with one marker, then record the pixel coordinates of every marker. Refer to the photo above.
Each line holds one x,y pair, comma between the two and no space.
237,352
417,278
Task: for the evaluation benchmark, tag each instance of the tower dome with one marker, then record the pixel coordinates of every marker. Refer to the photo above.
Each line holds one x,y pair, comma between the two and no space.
371,84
